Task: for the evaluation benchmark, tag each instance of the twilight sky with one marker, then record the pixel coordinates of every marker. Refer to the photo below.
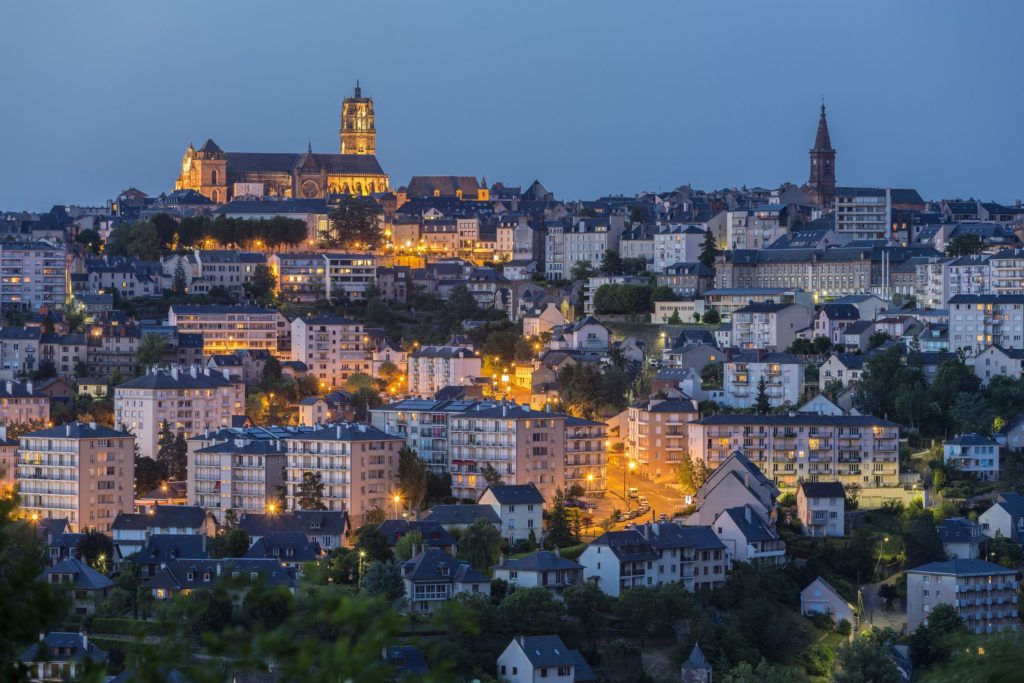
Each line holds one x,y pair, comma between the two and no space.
591,97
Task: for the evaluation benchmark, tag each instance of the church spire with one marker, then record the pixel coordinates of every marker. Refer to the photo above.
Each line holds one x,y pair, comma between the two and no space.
359,91
822,142
822,180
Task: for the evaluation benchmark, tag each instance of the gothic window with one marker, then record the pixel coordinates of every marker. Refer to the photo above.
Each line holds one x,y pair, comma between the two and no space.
359,188
216,196
344,188
213,177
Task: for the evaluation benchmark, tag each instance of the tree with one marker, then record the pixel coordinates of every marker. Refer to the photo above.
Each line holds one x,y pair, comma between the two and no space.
822,344
878,338
763,404
96,550
581,270
213,612
532,612
384,578
272,374
921,541
964,245
708,251
135,240
179,458
490,475
762,673
932,641
180,285
580,388
691,474
166,452
310,494
611,263
406,545
480,545
412,478
91,239
802,347
561,532
267,607
149,474
712,317
229,543
45,370
865,661
388,373
151,350
263,283
621,662
833,388
588,605
354,224
372,543
674,319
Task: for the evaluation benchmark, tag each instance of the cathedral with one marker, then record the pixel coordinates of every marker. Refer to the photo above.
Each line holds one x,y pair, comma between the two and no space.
821,185
222,176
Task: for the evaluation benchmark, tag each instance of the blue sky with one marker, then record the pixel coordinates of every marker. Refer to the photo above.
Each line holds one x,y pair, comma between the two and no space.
590,97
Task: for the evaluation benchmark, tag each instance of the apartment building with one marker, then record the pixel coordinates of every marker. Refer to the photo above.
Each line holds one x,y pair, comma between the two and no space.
821,508
358,464
1006,272
675,244
65,351
977,321
191,400
967,275
863,213
657,437
586,463
432,368
423,424
851,449
349,275
82,472
754,227
983,594
241,475
299,276
726,300
523,445
582,241
19,351
995,361
33,274
8,462
333,348
226,329
769,326
973,454
783,375
686,279
19,402
113,342
226,269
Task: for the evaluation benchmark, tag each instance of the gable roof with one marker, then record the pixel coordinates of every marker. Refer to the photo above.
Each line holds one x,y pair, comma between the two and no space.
83,576
962,567
452,515
516,494
434,535
540,561
79,430
285,545
310,522
162,547
437,565
1012,502
545,651
177,516
823,489
62,646
753,529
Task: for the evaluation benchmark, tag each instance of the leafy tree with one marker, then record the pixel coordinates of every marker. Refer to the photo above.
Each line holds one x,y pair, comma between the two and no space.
589,606
865,661
310,493
480,545
921,541
712,317
412,478
763,404
649,612
822,344
384,578
149,474
581,270
490,475
709,251
964,245
581,390
267,607
932,642
165,453
954,377
263,283
406,544
691,474
213,612
833,388
532,612
439,486
45,370
611,263
151,350
762,673
463,304
96,550
179,457
561,532
878,338
135,240
229,543
802,347
372,542
91,239
621,662
354,224
621,299
674,319
272,374
388,373
180,284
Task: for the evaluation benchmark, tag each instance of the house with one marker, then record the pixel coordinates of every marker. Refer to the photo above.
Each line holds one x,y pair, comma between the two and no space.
588,334
845,367
433,576
433,534
328,528
131,531
1012,434
168,493
748,538
820,405
530,659
181,577
290,548
540,569
819,597
961,538
983,594
995,361
696,668
657,433
161,548
821,507
313,411
539,322
520,508
783,375
833,319
618,560
84,586
60,656
1005,519
460,516
857,335
769,326
737,481
688,355
973,454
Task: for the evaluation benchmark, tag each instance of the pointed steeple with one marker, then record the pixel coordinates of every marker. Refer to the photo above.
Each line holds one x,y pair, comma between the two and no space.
359,91
309,145
822,142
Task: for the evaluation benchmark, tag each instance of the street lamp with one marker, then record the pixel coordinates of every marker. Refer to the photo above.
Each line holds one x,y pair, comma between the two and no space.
362,563
271,508
590,481
626,469
397,498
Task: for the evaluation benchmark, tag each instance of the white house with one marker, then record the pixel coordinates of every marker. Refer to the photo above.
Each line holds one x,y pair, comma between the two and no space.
995,361
845,367
531,659
587,334
520,508
771,326
783,375
821,598
821,508
619,560
542,569
961,538
131,531
539,322
749,539
973,454
736,482
434,576
1005,519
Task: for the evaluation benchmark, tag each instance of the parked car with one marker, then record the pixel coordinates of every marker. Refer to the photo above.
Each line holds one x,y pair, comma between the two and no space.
634,492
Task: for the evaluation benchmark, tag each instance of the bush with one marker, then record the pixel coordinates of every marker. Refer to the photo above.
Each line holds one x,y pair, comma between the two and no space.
843,628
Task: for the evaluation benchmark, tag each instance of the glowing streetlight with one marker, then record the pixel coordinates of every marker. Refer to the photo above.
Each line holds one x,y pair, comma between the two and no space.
272,508
397,498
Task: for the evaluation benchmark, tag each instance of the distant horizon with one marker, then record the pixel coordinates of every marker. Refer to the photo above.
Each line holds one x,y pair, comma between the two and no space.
608,101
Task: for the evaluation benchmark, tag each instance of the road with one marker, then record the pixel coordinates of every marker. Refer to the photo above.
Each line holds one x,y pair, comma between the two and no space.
662,499
874,615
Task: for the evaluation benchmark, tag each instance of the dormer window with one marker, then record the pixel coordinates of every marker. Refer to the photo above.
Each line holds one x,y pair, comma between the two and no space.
206,576
445,571
190,576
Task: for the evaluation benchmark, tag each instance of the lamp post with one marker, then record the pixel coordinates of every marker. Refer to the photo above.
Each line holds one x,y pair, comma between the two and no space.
362,563
627,467
590,481
397,498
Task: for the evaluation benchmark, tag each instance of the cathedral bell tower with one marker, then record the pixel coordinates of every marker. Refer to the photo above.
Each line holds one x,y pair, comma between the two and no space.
822,180
358,134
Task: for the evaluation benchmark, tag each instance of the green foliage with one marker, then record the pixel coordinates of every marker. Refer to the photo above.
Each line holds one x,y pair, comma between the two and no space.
372,542
762,404
135,240
412,478
865,661
587,392
622,299
762,673
562,530
229,543
712,317
96,550
588,605
267,608
480,545
310,492
921,541
998,658
822,344
91,239
674,319
354,224
621,663
149,474
532,612
709,251
964,245
151,350
490,475
691,474
611,263
404,546
262,285
384,579
649,612
581,270
932,642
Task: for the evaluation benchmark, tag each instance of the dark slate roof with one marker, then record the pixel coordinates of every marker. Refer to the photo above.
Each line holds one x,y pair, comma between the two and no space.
840,311
666,406
541,561
284,162
697,660
163,379
459,515
854,361
61,646
959,530
858,327
347,431
429,566
628,545
671,535
516,494
285,546
79,430
987,299
762,308
310,522
52,527
174,574
84,576
218,309
546,651
962,567
753,530
971,440
178,516
823,489
1012,502
163,547
434,535
583,672
18,390
407,660
798,419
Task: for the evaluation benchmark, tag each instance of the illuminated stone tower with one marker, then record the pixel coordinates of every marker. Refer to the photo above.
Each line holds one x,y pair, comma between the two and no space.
822,180
358,134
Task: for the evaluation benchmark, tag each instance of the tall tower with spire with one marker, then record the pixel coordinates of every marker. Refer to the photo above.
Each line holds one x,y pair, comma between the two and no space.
822,181
358,135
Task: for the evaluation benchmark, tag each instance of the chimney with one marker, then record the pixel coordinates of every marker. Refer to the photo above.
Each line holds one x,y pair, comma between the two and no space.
504,410
558,551
746,512
3,432
194,371
85,640
28,386
501,559
339,431
67,429
10,387
92,425
174,372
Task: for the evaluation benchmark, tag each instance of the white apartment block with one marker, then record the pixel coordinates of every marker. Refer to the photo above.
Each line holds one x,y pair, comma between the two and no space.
967,275
585,455
224,268
995,361
82,472
432,368
1006,272
851,449
657,437
973,454
32,274
768,326
676,244
332,348
863,213
977,321
227,329
783,374
19,402
349,275
984,594
358,464
191,400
